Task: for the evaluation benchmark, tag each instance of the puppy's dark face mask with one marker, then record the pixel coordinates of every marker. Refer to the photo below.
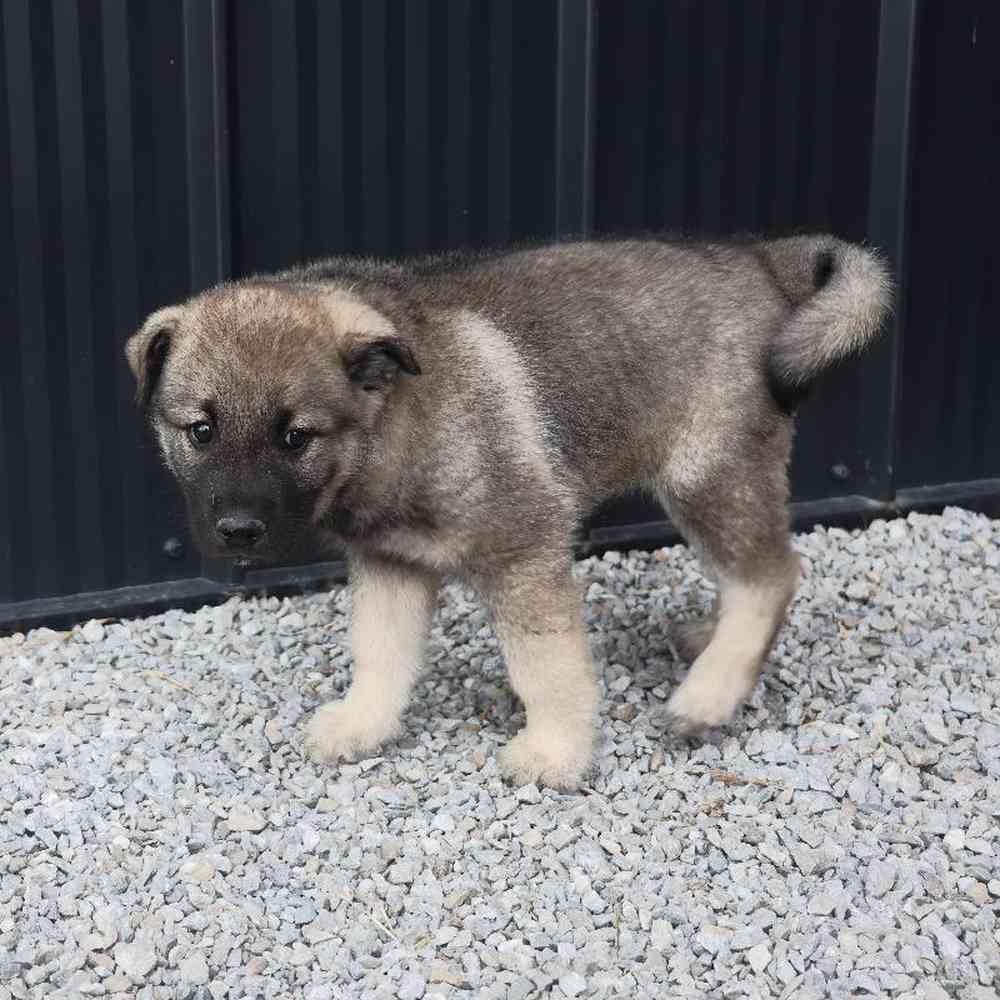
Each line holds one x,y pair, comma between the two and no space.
268,403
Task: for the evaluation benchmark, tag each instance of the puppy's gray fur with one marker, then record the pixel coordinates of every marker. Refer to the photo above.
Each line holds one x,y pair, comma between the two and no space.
464,413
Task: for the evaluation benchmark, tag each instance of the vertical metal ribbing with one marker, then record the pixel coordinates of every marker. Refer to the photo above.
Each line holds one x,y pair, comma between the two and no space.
711,30
457,152
206,136
966,381
676,150
7,524
81,354
43,573
888,203
374,147
329,123
742,179
818,178
284,110
220,100
416,127
574,115
10,374
207,153
114,158
124,264
498,142
951,364
781,212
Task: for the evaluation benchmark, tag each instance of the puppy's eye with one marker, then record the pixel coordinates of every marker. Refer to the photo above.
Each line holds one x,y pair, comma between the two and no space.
294,439
200,432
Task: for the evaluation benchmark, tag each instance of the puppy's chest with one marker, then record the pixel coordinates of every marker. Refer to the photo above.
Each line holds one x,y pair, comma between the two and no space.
436,549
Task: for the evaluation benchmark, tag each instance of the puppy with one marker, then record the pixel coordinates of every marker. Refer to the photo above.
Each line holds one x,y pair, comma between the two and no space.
461,414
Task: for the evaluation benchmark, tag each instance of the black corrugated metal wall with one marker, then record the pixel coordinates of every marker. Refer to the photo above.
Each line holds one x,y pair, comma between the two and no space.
94,195
150,149
950,372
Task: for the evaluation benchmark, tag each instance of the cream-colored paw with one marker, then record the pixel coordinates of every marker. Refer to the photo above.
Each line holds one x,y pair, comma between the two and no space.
537,757
341,730
706,699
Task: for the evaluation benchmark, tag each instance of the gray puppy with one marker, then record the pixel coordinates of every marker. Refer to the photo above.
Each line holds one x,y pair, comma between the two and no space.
460,415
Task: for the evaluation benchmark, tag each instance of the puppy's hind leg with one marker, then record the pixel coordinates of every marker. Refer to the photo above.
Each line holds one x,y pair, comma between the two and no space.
741,532
724,674
390,620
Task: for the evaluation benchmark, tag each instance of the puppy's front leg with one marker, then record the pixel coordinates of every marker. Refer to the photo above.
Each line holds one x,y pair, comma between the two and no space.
390,619
548,658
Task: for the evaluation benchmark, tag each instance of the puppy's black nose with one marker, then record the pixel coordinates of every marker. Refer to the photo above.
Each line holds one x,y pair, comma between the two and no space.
239,531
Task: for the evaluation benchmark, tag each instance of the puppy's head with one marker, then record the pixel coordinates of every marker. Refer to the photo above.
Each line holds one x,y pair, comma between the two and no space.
269,401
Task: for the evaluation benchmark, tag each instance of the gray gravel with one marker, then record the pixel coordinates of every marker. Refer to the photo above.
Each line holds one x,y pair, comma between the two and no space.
162,836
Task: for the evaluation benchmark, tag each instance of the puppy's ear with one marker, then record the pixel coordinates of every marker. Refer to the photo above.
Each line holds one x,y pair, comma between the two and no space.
376,363
146,350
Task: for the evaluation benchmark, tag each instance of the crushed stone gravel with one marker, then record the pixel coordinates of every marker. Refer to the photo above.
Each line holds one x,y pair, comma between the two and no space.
162,835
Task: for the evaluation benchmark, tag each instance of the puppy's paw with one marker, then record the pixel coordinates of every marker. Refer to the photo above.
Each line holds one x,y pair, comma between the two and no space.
691,639
705,700
556,761
341,730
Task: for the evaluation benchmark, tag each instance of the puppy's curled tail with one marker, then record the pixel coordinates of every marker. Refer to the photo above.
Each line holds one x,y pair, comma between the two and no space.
839,292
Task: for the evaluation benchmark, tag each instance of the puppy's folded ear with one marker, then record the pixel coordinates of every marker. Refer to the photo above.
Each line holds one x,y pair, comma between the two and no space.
146,350
376,363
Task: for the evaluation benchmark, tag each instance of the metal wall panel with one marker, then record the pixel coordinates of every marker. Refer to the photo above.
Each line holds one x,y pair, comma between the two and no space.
391,128
949,427
94,196
757,117
722,117
150,149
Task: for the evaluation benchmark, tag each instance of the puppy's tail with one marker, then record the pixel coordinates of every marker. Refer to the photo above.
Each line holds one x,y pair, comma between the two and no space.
839,292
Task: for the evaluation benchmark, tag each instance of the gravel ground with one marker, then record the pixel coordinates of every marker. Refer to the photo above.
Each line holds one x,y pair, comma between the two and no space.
161,834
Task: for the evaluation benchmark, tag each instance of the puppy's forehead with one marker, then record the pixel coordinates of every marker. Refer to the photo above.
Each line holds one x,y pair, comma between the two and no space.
277,327
256,316
268,346
259,313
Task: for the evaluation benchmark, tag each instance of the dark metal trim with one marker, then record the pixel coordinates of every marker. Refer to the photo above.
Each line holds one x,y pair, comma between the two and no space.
573,187
220,98
151,598
845,512
33,306
209,210
207,140
123,234
849,511
981,495
888,207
